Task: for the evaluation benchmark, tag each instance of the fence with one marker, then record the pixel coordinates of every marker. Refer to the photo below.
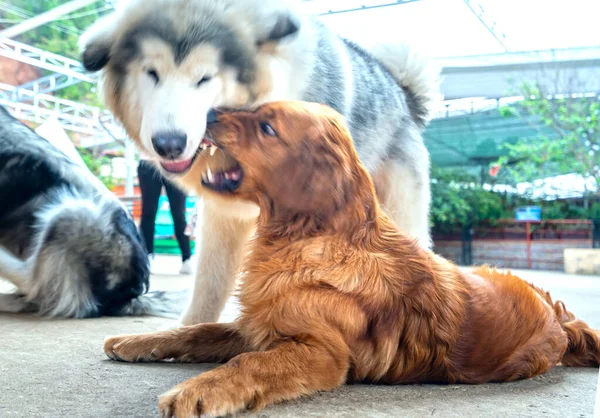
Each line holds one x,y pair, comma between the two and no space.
515,244
509,243
134,206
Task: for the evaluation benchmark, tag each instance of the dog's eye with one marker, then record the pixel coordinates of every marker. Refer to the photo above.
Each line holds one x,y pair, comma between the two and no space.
267,130
205,79
153,75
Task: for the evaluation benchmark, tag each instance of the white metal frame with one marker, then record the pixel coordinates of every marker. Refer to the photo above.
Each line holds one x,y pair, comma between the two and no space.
74,116
43,59
43,85
362,7
486,20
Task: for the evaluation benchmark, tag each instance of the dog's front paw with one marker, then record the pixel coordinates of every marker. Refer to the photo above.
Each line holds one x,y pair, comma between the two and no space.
211,394
134,348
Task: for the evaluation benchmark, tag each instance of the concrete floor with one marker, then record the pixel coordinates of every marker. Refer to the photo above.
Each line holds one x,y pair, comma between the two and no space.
58,369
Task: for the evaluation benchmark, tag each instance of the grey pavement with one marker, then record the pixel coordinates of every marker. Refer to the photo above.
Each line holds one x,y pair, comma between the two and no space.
56,368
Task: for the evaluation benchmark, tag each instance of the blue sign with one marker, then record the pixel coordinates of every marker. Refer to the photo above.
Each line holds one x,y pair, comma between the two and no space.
529,213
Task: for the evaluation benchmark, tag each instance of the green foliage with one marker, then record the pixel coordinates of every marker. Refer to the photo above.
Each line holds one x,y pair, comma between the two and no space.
563,209
95,163
458,199
574,146
60,36
568,142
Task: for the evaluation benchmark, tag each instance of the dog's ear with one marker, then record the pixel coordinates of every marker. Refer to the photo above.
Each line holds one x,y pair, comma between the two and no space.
316,179
96,44
285,26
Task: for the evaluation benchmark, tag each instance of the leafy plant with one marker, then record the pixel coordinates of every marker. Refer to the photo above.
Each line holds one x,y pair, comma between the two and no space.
458,199
573,145
95,163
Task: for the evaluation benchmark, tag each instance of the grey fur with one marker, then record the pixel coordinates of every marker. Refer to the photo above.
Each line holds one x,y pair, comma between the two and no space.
66,243
378,115
218,34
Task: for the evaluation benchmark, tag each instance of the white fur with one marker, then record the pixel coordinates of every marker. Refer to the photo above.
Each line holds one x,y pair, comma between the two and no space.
14,270
222,241
176,103
410,203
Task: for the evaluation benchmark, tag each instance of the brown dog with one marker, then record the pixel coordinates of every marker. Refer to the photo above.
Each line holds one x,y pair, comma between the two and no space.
333,292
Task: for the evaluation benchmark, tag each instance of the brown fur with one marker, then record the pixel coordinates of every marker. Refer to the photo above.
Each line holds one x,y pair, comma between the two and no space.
333,292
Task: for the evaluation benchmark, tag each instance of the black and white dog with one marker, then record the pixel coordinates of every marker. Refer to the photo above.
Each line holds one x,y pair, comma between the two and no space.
67,243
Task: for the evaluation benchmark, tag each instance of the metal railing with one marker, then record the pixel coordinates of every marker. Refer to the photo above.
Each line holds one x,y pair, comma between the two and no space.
73,116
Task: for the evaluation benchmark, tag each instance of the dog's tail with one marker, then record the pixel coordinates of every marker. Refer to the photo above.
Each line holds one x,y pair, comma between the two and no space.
584,342
157,303
415,73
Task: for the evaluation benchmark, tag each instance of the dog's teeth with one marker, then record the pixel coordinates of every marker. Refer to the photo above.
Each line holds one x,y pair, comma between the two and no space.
213,149
203,146
234,176
210,176
204,178
227,176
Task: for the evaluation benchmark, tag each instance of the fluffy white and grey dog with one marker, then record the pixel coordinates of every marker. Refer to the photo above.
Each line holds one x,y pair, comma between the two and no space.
67,244
167,63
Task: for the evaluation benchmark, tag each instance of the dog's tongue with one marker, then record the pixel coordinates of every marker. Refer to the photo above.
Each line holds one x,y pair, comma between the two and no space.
176,166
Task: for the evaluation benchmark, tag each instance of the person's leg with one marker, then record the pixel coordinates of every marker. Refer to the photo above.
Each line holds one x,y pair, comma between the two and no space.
150,186
177,200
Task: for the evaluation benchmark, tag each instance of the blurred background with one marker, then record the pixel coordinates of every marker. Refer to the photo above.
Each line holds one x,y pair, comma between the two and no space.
515,146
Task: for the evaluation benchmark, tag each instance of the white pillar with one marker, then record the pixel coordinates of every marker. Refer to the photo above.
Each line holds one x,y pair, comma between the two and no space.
130,173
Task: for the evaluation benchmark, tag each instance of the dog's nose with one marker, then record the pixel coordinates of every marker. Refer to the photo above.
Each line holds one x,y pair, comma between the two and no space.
211,117
169,144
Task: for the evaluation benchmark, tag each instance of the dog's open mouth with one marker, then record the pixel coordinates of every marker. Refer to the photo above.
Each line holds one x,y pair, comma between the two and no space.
221,181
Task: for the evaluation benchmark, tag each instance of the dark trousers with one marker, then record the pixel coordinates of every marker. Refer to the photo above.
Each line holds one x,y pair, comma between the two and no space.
151,184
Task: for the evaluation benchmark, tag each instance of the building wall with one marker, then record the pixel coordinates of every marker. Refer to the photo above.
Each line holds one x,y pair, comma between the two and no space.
16,73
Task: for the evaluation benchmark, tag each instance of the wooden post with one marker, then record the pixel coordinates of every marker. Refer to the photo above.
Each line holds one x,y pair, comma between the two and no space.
528,232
